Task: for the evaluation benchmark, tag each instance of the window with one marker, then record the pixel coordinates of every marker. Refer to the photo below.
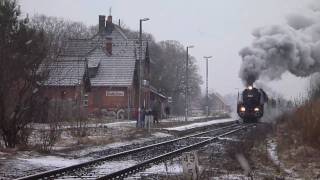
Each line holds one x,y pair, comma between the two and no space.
85,100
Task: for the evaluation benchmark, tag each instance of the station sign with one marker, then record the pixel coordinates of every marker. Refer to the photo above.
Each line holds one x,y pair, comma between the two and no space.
114,93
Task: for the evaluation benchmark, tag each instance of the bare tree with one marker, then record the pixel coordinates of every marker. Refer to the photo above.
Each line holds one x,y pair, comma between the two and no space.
169,67
59,31
22,50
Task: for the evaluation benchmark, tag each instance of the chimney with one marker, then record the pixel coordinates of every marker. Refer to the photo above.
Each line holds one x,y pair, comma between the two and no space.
109,20
102,24
109,25
109,45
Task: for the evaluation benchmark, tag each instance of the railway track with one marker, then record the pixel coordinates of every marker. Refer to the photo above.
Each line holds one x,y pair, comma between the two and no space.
145,156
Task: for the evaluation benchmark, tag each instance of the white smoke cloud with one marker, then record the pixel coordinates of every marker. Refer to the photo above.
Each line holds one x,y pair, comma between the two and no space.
269,91
294,47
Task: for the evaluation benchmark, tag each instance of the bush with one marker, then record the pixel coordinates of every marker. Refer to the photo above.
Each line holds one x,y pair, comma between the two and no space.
48,137
304,124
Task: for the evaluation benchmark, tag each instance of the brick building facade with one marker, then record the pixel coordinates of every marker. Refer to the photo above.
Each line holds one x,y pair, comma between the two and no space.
109,61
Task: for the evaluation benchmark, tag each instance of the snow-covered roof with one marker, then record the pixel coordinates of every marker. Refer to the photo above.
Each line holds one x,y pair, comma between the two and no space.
115,69
67,72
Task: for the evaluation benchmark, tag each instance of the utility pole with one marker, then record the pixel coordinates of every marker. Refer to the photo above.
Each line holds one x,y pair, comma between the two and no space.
140,71
207,93
187,84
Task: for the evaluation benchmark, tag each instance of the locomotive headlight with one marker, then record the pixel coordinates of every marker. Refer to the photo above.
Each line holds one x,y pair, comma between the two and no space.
250,87
256,109
242,109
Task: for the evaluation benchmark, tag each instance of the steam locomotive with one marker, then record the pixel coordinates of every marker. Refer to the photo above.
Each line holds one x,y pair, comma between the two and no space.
250,106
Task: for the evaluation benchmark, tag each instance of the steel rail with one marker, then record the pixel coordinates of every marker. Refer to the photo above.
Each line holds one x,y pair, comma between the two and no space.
64,170
138,167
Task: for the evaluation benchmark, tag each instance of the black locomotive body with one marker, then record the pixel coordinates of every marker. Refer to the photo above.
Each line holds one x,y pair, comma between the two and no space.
250,106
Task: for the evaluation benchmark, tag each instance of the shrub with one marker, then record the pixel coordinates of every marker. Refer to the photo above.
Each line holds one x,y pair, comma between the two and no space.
304,124
48,137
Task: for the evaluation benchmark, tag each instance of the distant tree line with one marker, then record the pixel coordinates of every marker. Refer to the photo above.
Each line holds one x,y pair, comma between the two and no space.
169,73
168,70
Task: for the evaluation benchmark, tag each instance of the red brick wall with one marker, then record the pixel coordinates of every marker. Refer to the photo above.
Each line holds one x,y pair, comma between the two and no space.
61,92
98,99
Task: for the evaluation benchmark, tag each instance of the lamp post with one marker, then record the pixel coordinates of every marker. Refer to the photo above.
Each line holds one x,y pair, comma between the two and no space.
187,83
207,93
140,70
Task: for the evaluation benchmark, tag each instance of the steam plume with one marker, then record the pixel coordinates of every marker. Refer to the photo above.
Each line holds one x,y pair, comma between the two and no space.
294,47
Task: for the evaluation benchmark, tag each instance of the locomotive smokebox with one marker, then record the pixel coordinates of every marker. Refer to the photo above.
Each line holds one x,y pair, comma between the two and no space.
250,106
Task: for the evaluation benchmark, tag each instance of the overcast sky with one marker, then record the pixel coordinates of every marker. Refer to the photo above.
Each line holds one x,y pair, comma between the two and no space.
219,28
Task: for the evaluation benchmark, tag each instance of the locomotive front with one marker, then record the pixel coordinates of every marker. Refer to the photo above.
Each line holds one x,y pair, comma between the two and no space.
250,106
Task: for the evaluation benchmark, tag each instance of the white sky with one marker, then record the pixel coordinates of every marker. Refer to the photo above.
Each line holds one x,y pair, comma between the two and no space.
219,28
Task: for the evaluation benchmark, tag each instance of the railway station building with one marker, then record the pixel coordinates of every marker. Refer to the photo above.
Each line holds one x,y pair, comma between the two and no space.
102,73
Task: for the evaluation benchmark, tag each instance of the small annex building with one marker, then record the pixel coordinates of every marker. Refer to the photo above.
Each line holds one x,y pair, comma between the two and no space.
102,72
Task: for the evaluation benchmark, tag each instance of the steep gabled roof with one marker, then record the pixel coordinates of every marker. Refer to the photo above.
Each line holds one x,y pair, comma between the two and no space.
78,47
116,69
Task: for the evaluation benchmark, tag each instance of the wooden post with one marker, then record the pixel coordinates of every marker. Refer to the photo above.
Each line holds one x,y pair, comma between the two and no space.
190,163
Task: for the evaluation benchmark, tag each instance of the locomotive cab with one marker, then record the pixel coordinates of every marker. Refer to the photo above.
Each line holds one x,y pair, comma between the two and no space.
250,104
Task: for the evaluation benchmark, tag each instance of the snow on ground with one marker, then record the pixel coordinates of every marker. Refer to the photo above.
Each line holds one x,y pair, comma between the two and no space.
117,124
132,123
200,124
159,169
127,123
52,161
161,135
122,123
113,166
182,118
49,162
229,139
2,154
89,150
231,177
273,154
34,161
165,168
